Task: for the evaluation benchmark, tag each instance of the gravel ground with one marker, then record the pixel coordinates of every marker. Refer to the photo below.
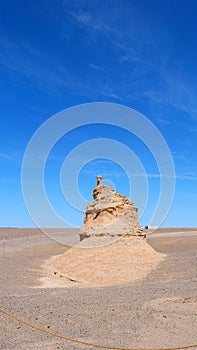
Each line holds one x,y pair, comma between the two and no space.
159,311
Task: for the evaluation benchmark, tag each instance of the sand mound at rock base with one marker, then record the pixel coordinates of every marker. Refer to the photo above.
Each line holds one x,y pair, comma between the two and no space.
125,261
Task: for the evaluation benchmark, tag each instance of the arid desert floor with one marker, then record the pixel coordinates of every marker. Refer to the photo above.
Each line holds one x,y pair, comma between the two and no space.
156,311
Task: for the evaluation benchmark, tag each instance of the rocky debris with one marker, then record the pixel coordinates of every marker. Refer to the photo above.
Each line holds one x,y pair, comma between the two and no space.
110,214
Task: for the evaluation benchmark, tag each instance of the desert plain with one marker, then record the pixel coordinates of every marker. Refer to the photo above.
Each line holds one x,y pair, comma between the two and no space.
157,309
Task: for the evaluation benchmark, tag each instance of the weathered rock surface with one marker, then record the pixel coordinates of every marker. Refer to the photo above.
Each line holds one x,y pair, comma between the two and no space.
110,214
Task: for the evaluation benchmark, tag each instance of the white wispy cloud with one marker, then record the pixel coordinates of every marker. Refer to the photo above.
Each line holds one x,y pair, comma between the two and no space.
5,156
91,21
33,64
187,176
176,177
96,67
38,67
181,94
130,70
107,91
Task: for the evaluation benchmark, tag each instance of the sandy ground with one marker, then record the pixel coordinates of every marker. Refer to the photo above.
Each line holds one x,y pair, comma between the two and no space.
111,263
159,310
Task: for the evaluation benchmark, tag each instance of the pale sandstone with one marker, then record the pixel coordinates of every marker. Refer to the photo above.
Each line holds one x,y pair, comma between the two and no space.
110,252
110,214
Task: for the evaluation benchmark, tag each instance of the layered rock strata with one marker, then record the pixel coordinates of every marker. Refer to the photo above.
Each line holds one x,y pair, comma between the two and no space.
110,214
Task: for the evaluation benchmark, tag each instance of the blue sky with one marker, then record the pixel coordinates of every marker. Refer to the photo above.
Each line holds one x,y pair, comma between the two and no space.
57,54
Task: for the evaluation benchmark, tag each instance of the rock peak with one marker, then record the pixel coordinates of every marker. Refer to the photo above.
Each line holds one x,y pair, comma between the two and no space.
99,180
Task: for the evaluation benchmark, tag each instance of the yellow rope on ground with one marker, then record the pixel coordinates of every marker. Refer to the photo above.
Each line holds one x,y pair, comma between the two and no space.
33,326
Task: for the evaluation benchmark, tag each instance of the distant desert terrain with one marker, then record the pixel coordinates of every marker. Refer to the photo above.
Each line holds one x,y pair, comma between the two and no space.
157,309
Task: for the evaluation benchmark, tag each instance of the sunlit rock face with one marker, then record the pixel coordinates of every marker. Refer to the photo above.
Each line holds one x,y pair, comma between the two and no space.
110,214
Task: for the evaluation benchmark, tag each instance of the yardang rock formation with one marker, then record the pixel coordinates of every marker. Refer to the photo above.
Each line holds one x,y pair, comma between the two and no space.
110,214
112,253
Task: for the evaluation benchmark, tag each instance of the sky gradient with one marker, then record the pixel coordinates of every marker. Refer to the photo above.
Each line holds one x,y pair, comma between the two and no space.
58,54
